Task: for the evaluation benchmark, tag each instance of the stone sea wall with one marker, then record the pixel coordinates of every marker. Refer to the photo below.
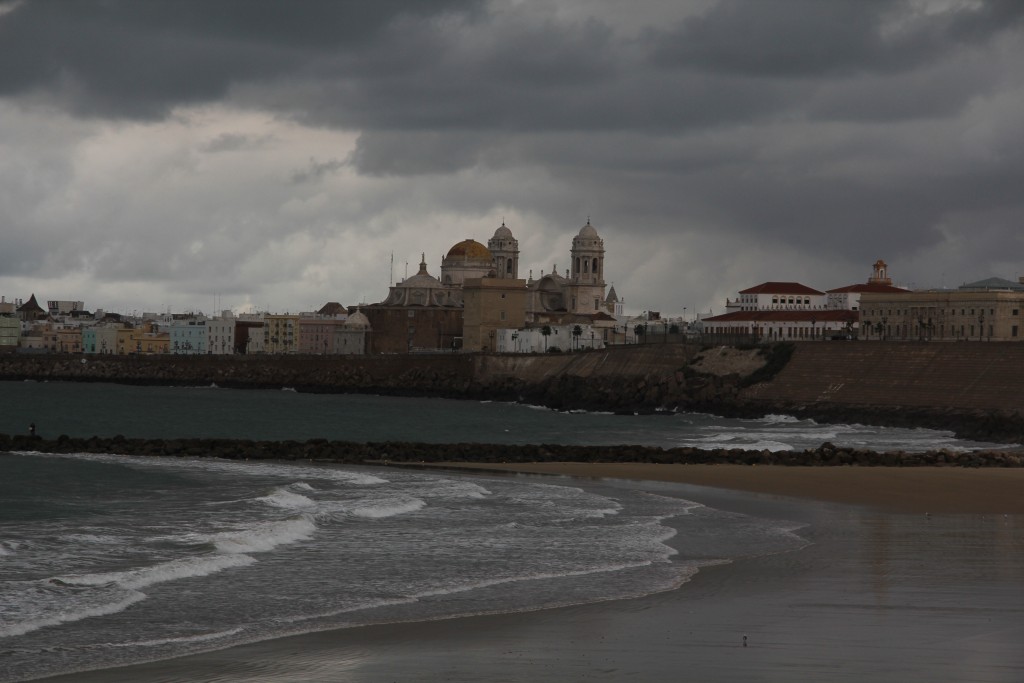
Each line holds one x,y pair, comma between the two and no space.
972,389
321,450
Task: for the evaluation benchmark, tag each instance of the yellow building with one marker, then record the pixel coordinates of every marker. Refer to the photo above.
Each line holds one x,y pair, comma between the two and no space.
281,334
69,340
989,310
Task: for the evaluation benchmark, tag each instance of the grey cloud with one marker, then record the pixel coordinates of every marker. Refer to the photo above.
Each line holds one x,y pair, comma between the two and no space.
809,38
317,170
138,59
233,142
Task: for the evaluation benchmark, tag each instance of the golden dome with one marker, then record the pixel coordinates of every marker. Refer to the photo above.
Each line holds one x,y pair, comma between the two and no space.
470,250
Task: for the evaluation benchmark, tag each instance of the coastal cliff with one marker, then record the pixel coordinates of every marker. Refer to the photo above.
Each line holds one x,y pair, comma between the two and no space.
971,389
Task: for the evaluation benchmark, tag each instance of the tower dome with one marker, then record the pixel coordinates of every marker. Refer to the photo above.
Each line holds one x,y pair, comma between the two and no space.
467,259
588,231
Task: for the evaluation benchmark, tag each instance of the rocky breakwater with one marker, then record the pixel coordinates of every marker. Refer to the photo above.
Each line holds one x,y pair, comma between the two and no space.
346,452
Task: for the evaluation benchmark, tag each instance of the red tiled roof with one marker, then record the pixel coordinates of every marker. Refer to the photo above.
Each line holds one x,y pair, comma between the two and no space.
819,315
873,287
780,288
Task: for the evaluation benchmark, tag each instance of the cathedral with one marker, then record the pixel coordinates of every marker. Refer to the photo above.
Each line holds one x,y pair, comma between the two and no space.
479,291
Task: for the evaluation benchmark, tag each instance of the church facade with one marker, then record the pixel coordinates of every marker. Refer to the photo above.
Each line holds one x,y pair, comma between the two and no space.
479,291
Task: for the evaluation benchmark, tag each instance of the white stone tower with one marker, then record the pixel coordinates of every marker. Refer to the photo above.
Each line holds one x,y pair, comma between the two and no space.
505,249
585,290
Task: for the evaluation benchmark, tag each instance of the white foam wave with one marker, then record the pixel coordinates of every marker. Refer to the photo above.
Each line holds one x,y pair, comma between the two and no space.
263,537
776,419
283,498
201,638
302,486
66,615
541,576
773,446
134,579
380,510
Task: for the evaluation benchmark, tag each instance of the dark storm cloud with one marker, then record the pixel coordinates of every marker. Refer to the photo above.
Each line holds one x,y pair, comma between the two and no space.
138,59
809,38
833,129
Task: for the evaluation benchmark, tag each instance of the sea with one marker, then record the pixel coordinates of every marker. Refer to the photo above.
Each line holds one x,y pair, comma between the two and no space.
108,560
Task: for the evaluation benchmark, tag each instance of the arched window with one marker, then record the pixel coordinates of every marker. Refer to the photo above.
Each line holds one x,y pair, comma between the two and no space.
577,264
586,266
594,269
508,266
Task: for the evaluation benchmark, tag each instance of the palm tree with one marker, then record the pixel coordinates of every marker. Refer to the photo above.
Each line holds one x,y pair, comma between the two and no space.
576,332
546,331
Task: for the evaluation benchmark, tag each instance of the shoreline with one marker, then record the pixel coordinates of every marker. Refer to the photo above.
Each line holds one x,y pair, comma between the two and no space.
867,579
916,490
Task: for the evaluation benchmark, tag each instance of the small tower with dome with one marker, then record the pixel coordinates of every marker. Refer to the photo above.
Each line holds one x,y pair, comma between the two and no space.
585,287
505,250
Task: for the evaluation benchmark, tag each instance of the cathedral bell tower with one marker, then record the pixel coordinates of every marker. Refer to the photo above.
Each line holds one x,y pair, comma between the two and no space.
586,275
505,249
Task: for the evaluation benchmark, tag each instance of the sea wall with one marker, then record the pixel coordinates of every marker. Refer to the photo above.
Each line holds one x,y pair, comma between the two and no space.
627,379
972,389
321,450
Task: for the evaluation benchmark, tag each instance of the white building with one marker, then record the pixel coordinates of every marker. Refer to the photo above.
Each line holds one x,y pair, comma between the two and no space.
562,337
220,334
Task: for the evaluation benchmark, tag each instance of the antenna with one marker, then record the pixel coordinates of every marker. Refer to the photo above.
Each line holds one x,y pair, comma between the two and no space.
391,273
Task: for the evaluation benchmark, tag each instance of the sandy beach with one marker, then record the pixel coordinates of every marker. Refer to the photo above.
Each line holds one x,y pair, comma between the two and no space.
954,490
882,592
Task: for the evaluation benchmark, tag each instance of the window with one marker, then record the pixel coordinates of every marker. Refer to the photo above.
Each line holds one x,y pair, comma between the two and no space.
1013,331
501,315
1015,311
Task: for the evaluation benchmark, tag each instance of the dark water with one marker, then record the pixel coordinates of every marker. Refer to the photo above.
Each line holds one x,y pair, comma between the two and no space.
154,412
108,560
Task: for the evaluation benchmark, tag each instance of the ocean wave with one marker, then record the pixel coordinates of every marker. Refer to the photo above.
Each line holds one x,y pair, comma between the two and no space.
778,419
200,638
382,509
63,613
767,445
264,536
283,498
134,579
539,576
99,539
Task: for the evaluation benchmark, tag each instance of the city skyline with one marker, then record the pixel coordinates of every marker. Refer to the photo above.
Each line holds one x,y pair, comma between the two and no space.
270,156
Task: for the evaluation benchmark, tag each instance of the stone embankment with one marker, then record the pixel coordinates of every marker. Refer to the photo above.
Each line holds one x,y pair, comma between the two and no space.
970,388
322,450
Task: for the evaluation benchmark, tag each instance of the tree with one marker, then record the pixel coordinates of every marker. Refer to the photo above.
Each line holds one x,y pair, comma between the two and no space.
546,331
576,332
639,331
673,329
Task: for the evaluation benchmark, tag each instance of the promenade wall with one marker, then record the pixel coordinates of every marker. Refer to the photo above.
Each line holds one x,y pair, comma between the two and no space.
973,389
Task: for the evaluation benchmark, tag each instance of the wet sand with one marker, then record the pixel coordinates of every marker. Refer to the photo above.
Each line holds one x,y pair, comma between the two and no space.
877,595
912,489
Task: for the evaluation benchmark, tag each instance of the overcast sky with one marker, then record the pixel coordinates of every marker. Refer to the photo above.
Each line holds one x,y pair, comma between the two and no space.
274,155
